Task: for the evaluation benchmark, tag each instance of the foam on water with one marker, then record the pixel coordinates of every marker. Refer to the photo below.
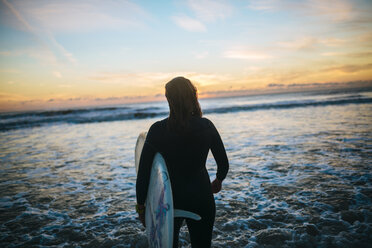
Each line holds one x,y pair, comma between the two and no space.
299,177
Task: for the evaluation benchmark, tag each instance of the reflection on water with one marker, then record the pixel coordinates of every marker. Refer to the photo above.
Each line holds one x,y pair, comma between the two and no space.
299,178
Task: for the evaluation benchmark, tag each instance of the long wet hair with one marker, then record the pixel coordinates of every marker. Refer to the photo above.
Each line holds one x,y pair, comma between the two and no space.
183,104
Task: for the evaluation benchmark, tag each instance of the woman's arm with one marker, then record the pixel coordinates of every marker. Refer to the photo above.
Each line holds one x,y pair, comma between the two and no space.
216,186
219,154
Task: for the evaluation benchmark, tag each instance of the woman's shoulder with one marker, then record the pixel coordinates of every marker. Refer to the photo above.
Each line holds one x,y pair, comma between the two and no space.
156,131
158,125
199,122
203,122
206,121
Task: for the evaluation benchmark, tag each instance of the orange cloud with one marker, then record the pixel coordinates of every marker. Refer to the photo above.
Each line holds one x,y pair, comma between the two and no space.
350,68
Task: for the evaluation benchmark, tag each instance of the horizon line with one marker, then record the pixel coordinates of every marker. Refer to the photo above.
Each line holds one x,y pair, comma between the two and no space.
270,89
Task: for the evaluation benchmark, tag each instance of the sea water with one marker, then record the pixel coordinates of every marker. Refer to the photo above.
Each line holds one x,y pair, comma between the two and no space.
300,173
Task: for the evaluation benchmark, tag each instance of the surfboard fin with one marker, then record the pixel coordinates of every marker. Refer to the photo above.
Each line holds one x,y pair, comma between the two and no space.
186,214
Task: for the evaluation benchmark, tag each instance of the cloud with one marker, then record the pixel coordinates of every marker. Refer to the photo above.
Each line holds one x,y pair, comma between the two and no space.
332,54
5,53
25,24
350,55
262,5
253,68
19,16
66,54
200,55
305,43
189,23
46,54
57,74
242,53
210,10
332,42
39,53
334,10
137,97
158,79
84,15
310,43
207,79
9,70
366,37
275,85
65,85
11,97
366,83
350,68
139,78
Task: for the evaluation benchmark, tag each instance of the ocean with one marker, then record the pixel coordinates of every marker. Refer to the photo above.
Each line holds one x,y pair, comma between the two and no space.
300,172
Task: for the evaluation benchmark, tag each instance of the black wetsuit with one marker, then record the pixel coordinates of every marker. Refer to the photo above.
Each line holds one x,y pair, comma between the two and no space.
185,156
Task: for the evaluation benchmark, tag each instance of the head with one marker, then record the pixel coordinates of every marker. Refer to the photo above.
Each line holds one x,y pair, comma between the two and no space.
183,103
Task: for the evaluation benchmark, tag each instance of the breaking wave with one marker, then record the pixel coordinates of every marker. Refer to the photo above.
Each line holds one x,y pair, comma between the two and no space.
9,121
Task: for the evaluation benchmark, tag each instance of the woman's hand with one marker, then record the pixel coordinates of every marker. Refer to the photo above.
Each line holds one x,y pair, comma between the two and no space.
141,213
216,186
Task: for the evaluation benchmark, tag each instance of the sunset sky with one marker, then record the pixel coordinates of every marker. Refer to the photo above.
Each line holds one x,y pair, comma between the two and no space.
78,53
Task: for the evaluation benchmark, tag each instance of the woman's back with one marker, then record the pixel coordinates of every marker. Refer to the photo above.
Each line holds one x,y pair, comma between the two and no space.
185,155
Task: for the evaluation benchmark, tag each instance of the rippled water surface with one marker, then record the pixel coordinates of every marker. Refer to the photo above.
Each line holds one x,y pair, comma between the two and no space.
299,177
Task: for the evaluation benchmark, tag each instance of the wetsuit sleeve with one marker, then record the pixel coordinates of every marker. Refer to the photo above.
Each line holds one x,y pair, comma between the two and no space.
219,154
144,170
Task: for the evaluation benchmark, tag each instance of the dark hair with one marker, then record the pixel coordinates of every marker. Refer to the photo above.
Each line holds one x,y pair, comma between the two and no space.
183,103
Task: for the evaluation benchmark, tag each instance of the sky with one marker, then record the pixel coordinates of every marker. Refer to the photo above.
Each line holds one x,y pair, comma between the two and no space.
57,54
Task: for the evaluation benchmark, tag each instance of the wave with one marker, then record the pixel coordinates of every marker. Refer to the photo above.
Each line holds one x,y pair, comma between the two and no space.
288,105
11,121
23,120
60,112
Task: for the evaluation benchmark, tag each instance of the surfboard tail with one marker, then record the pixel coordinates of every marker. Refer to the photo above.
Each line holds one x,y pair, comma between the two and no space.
186,214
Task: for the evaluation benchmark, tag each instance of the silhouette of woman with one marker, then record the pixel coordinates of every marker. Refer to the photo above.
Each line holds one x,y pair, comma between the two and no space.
184,140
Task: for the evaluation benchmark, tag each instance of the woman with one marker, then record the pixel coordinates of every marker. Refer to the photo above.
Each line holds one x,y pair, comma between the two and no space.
184,140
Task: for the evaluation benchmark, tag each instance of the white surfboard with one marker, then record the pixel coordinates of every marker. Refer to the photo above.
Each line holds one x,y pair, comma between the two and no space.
159,202
139,146
159,206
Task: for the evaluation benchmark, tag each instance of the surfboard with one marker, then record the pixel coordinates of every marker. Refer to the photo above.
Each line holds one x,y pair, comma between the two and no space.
138,150
159,206
159,202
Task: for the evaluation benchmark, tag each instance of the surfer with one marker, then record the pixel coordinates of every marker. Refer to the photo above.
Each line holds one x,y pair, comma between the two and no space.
184,140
